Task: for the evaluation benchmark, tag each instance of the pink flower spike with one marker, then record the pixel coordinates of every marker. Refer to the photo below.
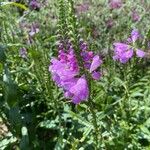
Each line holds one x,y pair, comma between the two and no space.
140,53
95,63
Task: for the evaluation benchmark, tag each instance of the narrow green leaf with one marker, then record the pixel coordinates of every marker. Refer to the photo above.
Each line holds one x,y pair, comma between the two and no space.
2,54
24,144
15,4
80,119
10,89
85,134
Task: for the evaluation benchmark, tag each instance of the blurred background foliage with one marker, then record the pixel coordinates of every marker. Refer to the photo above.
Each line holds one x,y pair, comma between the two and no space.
33,112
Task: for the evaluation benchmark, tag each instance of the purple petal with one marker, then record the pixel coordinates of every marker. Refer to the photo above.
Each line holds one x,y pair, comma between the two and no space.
126,56
67,84
115,4
56,78
68,95
135,35
96,75
135,16
140,53
115,57
121,46
123,59
95,63
80,91
129,53
129,40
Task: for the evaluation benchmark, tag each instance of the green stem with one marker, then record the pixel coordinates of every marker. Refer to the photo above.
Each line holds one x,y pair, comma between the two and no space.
90,104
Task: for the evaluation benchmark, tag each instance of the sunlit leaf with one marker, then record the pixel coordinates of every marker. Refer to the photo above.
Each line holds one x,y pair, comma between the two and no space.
13,4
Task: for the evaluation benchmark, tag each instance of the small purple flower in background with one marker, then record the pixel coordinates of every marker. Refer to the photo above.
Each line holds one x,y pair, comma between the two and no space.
34,29
135,16
110,23
31,29
80,8
124,52
66,71
135,35
148,44
34,4
115,4
23,52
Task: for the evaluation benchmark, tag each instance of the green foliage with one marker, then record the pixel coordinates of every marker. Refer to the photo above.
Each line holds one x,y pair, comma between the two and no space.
35,111
2,54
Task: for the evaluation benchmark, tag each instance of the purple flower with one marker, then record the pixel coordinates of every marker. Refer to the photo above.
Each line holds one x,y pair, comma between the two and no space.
123,52
126,56
135,35
66,73
83,45
79,91
33,30
68,95
66,77
34,4
63,69
96,75
95,63
129,40
140,53
115,4
135,16
23,52
121,46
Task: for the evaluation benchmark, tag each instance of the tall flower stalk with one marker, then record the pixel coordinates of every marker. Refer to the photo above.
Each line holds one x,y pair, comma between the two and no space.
75,66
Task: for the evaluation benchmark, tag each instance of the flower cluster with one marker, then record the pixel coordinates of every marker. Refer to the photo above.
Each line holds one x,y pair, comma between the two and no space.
34,4
31,30
115,4
125,51
66,73
135,16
